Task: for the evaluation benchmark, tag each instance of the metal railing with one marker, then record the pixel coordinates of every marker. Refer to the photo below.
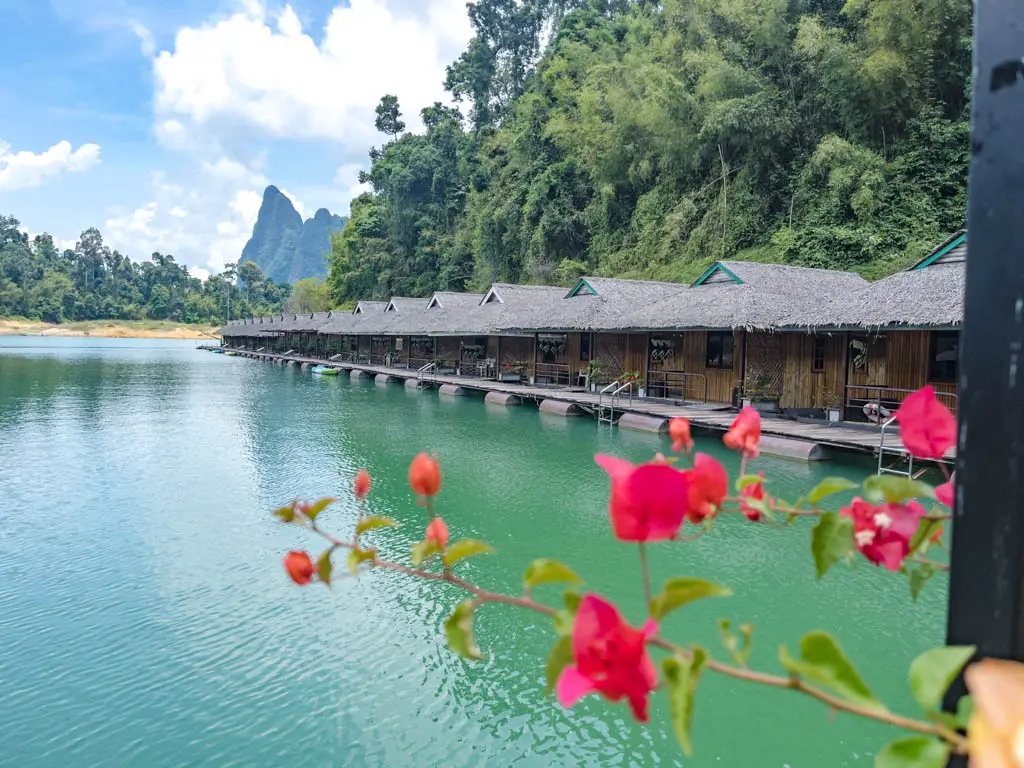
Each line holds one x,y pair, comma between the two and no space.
689,386
554,374
614,391
876,404
423,375
415,363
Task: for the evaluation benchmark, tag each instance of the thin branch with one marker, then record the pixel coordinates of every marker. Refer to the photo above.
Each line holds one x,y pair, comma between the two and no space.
647,575
957,741
926,561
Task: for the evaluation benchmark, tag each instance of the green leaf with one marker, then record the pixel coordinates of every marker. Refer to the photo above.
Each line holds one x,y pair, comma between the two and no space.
459,631
318,506
747,633
895,489
913,752
372,522
421,550
744,480
357,556
544,571
678,592
925,528
324,567
828,487
286,513
681,678
462,549
964,710
919,576
933,672
831,541
566,617
558,659
823,663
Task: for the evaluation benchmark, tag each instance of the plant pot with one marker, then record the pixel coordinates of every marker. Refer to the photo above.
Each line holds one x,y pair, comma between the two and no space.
832,414
641,393
766,406
746,402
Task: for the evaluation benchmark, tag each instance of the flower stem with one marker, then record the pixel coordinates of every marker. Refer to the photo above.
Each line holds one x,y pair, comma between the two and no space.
647,575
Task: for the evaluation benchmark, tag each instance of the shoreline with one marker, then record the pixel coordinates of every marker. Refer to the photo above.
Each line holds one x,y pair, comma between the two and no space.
107,329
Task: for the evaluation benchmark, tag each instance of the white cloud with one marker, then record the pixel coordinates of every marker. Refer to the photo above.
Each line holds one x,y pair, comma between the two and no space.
178,212
247,71
20,170
146,41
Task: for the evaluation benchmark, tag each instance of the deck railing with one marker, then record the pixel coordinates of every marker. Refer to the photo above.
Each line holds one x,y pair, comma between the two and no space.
876,404
481,368
415,363
554,374
427,373
678,385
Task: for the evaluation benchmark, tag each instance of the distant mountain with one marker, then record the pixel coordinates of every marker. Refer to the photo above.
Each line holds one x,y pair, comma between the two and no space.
284,246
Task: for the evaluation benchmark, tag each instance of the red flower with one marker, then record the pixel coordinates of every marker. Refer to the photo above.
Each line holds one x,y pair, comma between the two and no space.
299,567
610,658
425,475
362,484
883,533
755,492
647,502
944,492
708,486
927,427
437,532
745,432
679,431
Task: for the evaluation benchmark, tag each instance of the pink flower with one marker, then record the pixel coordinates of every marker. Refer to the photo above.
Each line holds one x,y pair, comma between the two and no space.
708,486
754,492
437,532
679,431
745,432
882,533
610,658
425,475
362,484
299,567
944,492
647,502
927,427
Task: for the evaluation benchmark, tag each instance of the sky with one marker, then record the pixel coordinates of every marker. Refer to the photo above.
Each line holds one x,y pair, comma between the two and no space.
161,123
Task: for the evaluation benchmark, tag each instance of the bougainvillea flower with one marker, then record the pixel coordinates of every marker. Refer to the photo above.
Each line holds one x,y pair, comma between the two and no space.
610,657
882,533
927,427
437,532
753,492
647,502
299,567
425,475
996,729
362,484
679,431
944,492
745,432
708,486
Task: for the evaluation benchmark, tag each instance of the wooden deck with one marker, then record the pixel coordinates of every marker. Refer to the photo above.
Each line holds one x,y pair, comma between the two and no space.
709,416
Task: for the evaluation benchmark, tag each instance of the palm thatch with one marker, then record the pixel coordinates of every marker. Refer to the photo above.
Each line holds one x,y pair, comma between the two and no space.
406,304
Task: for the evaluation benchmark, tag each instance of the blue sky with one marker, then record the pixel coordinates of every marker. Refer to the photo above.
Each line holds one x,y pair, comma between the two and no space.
161,123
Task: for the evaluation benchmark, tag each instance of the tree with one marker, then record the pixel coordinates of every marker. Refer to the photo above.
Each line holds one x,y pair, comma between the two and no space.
388,117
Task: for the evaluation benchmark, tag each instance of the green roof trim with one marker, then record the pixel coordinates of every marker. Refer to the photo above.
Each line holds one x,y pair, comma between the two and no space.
927,261
716,268
579,287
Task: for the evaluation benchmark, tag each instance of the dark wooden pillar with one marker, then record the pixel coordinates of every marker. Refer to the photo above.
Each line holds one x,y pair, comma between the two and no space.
986,593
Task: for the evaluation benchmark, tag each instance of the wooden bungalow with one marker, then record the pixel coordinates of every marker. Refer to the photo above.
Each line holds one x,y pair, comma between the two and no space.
890,337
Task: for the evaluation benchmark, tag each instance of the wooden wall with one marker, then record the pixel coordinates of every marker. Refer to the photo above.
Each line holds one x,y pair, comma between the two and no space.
517,349
802,387
610,349
400,356
448,347
636,354
907,364
720,381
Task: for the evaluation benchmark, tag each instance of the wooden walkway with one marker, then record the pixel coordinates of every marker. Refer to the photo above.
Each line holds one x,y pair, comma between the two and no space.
711,416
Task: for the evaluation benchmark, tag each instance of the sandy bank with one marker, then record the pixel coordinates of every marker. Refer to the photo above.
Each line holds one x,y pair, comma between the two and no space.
110,329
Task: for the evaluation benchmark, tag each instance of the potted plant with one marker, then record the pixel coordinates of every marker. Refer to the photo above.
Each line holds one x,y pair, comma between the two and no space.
761,393
832,403
593,373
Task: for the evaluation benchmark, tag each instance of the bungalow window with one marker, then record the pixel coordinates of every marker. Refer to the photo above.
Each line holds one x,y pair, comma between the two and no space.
720,349
585,347
943,355
818,361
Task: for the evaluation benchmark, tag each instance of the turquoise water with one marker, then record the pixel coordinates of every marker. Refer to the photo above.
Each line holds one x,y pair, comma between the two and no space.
146,620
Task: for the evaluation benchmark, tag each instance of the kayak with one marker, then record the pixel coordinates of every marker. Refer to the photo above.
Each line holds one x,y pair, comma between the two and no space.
217,351
230,353
325,370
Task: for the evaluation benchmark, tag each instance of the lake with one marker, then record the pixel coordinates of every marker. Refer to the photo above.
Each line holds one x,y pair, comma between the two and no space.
146,619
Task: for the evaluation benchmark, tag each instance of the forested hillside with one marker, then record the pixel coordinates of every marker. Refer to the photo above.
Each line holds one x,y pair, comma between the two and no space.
647,139
93,282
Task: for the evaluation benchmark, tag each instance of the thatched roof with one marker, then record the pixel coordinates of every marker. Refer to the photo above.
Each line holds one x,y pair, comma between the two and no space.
406,304
454,300
928,294
369,306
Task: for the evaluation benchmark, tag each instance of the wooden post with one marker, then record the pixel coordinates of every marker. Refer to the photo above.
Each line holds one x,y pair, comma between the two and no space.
986,589
533,372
